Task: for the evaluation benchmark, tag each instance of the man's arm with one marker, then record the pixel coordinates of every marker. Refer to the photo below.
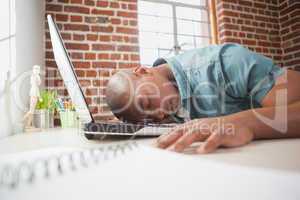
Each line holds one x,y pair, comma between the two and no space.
275,123
280,115
278,118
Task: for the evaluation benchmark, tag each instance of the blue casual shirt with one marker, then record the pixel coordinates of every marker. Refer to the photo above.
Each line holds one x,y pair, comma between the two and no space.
222,79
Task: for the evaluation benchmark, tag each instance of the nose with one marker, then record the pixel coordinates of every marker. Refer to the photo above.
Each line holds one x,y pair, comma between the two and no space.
159,116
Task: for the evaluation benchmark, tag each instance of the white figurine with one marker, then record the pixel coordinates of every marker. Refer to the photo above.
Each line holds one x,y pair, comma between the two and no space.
35,82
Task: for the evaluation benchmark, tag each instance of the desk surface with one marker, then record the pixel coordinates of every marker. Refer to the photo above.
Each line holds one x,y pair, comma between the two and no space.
269,154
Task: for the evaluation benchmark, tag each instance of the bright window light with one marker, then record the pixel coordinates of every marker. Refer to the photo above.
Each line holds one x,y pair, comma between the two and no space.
191,2
7,38
170,27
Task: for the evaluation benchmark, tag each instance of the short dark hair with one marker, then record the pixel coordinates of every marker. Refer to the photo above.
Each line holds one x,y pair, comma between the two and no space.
159,61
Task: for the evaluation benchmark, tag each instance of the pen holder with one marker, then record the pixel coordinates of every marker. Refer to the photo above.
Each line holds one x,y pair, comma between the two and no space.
68,119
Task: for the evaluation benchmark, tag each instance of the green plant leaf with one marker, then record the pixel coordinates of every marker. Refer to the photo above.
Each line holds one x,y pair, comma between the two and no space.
47,100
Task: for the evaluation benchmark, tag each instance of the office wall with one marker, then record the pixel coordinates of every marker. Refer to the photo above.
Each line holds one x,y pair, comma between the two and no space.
101,36
253,23
28,49
270,27
29,43
289,13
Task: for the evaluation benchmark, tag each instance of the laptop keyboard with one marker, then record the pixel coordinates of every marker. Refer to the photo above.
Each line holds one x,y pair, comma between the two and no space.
117,127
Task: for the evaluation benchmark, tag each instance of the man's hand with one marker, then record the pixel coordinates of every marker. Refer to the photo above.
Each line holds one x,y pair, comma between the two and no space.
213,132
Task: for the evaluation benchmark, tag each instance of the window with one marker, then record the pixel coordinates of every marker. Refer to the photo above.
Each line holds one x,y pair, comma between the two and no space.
7,55
169,27
7,38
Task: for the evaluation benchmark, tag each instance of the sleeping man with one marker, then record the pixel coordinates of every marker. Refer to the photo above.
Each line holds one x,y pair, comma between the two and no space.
221,95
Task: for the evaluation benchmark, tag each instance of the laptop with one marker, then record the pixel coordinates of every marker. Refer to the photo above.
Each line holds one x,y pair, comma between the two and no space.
91,126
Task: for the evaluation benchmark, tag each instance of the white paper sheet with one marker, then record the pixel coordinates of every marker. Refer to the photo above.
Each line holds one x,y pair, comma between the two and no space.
148,173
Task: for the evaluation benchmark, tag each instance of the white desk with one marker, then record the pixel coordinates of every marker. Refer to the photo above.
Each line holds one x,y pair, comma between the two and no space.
272,172
270,154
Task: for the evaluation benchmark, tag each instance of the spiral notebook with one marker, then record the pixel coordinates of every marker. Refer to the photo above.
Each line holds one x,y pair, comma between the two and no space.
133,171
29,167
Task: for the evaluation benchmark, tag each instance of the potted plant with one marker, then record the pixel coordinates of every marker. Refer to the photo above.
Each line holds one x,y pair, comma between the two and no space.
44,116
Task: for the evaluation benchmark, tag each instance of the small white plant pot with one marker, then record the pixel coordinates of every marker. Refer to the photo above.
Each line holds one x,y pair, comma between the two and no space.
43,119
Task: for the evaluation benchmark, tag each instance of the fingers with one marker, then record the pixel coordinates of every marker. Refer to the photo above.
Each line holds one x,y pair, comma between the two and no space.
211,144
181,137
212,136
187,139
166,140
183,142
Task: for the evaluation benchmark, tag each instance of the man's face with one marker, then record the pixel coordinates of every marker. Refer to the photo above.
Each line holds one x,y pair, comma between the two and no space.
155,97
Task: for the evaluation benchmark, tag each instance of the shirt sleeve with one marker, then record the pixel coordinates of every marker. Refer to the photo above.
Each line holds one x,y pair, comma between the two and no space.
262,78
252,75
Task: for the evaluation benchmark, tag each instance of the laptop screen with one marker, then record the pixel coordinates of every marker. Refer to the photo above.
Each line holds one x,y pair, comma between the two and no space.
66,70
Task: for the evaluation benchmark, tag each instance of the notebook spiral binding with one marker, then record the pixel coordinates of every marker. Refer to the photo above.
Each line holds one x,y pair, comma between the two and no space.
11,176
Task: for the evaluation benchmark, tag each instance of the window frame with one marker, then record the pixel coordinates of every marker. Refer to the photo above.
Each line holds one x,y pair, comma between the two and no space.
11,35
176,46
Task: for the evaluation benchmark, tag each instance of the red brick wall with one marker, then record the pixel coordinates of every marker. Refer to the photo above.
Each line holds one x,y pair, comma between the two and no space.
289,12
101,36
253,23
270,27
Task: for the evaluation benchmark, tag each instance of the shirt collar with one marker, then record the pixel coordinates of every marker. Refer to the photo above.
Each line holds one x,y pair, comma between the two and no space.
180,78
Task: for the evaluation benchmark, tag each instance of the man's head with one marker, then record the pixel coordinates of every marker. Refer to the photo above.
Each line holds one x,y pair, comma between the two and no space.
143,94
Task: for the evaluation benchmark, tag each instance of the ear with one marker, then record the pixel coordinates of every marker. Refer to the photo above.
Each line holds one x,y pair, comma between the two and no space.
142,70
